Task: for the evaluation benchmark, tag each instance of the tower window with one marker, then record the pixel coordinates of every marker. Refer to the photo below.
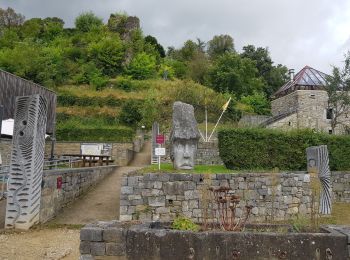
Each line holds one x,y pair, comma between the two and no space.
329,113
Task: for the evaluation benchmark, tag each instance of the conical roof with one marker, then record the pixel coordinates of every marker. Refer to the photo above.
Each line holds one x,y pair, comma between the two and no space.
306,79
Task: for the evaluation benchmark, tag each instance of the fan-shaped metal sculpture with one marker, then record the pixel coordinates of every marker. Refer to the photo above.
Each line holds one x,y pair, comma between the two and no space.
27,161
318,162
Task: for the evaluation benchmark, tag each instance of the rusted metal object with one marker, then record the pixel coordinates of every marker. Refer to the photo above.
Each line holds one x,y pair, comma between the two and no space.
227,204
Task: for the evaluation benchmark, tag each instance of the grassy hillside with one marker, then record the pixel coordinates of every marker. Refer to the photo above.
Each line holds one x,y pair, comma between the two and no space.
121,107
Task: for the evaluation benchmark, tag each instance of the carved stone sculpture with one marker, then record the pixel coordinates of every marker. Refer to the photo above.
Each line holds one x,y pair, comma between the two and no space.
27,161
184,136
318,162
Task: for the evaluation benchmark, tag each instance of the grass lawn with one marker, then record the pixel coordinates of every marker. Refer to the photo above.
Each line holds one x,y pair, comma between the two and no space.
168,168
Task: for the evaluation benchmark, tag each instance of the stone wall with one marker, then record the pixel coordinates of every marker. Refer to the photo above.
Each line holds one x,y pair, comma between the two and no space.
137,241
341,186
74,183
5,150
162,196
311,112
252,120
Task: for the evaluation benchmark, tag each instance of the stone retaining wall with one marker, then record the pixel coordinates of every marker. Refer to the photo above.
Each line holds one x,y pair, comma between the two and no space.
116,240
74,183
162,196
341,186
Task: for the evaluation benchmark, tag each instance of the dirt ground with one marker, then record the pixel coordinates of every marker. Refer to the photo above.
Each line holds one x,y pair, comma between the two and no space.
59,239
53,244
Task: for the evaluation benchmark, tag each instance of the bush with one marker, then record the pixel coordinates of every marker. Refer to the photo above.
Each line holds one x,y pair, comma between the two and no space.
67,100
267,149
86,22
76,132
131,113
183,223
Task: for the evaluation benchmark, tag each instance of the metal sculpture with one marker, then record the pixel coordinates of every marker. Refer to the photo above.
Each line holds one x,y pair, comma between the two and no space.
27,161
318,162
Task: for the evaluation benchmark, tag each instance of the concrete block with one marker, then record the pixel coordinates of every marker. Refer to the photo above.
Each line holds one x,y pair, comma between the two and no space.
86,257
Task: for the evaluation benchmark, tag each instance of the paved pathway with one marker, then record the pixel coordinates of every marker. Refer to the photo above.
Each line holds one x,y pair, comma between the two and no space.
102,202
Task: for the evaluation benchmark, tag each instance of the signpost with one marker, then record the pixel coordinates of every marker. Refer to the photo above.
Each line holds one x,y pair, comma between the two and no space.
160,139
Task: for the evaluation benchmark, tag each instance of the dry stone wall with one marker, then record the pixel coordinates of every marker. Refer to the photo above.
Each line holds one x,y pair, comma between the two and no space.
162,196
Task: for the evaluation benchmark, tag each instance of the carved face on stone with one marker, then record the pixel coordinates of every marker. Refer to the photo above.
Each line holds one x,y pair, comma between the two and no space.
184,151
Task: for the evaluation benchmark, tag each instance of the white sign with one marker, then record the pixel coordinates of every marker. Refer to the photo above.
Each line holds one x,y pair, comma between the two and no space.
160,151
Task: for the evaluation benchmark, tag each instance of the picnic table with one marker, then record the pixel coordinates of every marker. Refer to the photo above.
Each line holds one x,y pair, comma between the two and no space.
92,159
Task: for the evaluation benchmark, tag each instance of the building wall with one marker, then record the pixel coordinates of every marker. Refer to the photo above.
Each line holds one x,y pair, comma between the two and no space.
311,112
5,150
285,104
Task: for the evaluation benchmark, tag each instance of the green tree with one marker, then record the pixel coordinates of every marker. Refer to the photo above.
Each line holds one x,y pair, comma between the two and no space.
108,54
88,21
219,45
142,66
153,42
235,75
198,67
258,102
274,76
9,18
9,38
338,87
32,28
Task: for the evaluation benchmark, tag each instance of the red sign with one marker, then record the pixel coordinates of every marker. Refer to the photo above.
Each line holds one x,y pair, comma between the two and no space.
160,139
59,182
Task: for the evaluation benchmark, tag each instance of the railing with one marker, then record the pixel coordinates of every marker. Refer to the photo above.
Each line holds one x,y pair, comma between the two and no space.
62,162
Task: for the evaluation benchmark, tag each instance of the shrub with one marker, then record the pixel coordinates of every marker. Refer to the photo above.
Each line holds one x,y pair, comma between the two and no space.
267,149
183,223
71,131
86,22
131,113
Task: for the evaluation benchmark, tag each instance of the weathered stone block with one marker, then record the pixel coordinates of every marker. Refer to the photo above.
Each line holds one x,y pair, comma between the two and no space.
156,201
98,248
91,234
114,235
115,249
126,190
84,247
191,194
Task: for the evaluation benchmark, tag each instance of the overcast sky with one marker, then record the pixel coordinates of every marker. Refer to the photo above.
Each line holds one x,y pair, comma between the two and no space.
297,33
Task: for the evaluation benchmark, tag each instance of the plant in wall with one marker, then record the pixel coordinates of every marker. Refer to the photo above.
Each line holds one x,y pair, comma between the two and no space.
183,223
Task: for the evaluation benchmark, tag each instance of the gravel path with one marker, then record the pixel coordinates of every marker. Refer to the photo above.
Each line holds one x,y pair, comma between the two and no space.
54,243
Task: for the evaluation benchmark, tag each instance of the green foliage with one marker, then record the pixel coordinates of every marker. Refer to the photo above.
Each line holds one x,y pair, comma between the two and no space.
235,75
117,22
88,21
267,149
142,66
108,55
274,76
89,133
183,223
258,102
219,45
153,42
9,18
131,113
66,99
